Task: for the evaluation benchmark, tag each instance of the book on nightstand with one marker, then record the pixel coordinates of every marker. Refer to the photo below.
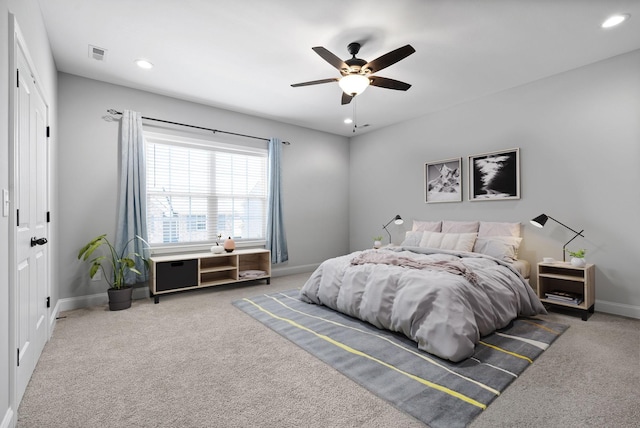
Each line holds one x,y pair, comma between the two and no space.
564,297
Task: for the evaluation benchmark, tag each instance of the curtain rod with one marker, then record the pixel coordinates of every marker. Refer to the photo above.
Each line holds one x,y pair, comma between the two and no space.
113,111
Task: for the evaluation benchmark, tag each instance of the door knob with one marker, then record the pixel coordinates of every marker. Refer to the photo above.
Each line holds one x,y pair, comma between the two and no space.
38,241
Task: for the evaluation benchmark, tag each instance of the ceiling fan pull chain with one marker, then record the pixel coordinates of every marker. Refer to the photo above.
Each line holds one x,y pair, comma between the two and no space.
355,119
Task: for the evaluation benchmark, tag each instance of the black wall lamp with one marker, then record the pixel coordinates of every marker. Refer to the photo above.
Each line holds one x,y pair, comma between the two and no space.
542,219
397,220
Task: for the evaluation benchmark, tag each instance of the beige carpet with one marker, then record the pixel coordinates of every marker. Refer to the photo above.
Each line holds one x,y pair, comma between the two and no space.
194,360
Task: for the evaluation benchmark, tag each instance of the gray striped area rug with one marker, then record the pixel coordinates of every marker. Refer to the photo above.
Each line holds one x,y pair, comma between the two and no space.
438,392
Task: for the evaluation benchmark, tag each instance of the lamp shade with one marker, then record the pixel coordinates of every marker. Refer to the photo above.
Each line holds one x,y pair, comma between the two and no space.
540,220
353,84
398,220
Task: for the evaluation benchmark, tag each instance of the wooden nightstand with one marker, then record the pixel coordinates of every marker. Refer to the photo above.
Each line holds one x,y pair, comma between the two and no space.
559,282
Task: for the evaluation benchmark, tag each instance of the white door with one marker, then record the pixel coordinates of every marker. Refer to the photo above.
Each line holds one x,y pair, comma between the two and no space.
30,202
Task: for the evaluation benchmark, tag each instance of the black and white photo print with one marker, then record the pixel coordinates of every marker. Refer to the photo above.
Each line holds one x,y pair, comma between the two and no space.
494,176
443,181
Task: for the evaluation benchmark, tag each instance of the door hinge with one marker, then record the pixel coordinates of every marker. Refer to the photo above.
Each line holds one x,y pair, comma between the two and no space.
48,216
49,302
18,357
48,131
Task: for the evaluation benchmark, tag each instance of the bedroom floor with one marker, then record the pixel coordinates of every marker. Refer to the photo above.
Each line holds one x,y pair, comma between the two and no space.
194,361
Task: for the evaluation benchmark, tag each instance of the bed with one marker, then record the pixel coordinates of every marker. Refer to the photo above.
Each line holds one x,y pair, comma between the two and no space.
443,289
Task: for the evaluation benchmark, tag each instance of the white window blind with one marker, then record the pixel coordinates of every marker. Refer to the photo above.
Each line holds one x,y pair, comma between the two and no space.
198,189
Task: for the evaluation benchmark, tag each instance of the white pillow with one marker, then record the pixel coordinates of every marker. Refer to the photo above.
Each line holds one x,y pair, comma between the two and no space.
448,241
501,247
429,226
412,239
489,228
460,226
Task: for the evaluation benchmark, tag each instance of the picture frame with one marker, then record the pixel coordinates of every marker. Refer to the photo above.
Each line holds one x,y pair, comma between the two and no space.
443,181
495,175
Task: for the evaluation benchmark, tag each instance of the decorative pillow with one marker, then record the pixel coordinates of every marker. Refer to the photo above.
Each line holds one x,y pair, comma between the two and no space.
460,226
501,247
448,241
428,226
489,228
412,239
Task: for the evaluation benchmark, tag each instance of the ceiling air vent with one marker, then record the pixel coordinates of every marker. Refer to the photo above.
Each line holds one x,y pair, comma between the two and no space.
97,53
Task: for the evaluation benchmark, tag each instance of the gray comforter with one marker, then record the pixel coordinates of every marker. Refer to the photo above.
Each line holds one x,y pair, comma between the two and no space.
443,300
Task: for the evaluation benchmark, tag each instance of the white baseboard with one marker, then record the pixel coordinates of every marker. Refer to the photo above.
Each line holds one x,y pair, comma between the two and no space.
53,318
71,303
7,421
99,299
283,271
621,309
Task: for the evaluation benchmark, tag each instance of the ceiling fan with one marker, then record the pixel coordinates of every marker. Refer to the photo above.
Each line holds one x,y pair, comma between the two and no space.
357,73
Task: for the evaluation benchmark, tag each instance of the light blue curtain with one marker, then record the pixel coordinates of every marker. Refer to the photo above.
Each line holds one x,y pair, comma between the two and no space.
132,211
276,239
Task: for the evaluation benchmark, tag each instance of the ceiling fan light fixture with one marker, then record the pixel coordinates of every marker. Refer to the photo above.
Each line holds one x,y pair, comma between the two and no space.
354,84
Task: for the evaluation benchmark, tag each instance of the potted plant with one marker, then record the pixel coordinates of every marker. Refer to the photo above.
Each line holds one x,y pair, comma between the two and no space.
119,264
577,257
377,241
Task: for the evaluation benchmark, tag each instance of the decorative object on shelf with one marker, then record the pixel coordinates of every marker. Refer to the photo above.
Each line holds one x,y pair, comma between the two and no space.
577,258
397,220
119,263
377,241
229,245
217,249
494,176
443,181
542,219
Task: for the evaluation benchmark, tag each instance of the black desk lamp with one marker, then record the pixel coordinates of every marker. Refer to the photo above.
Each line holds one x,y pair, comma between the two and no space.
397,220
542,219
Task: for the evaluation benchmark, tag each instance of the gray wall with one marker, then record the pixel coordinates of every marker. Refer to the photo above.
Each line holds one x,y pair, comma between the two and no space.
27,13
315,175
578,134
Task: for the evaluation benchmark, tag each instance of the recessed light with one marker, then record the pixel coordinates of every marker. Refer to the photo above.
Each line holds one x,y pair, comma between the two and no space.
143,63
348,121
614,20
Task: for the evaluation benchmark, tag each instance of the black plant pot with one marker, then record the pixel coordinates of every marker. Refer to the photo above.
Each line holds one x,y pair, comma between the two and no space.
120,299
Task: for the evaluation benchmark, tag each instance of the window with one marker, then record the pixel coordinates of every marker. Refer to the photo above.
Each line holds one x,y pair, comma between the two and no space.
197,189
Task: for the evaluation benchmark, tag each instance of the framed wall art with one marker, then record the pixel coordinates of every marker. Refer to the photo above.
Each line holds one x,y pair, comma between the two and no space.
494,176
443,181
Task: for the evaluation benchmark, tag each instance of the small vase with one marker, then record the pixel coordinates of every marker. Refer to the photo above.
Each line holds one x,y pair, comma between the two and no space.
229,245
217,249
377,244
578,262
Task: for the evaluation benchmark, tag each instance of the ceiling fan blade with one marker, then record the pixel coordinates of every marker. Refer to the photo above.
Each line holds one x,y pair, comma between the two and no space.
331,58
315,82
389,58
346,98
384,82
